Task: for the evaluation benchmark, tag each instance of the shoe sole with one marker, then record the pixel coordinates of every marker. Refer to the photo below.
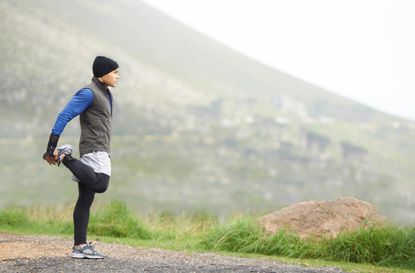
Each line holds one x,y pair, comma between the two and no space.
84,256
78,256
93,257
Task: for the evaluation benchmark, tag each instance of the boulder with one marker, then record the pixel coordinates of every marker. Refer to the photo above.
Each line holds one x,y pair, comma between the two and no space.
323,219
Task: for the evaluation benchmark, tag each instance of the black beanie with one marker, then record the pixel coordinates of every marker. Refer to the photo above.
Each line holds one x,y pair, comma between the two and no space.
103,65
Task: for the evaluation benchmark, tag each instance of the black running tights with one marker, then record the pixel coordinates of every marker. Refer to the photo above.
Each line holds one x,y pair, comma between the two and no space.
90,183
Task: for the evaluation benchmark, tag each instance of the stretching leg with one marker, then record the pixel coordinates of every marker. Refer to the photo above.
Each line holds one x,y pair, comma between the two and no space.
97,182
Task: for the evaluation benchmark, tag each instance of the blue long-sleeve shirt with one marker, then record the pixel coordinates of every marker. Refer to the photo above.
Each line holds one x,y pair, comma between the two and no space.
78,104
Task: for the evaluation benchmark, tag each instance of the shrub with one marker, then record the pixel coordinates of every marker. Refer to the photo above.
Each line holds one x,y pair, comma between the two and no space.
13,217
117,221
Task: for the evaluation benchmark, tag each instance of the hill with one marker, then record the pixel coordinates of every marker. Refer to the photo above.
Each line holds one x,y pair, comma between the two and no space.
197,125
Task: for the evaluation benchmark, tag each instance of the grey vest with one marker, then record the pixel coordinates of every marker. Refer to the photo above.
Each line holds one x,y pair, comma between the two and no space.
96,121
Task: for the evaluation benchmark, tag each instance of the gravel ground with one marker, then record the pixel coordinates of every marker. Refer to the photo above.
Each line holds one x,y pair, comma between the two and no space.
51,254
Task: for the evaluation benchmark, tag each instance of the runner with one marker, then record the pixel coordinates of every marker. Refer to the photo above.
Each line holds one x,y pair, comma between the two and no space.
92,172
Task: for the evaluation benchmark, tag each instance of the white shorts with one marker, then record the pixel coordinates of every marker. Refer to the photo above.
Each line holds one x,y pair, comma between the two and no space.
100,162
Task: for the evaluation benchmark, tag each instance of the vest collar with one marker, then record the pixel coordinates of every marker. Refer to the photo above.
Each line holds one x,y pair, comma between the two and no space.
100,85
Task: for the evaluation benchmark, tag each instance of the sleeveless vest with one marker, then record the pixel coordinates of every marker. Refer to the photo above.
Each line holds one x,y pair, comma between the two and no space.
96,121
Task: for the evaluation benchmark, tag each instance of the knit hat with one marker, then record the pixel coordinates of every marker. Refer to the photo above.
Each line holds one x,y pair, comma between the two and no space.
103,65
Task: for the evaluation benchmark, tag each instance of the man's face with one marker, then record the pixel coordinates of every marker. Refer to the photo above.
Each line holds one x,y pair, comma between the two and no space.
110,79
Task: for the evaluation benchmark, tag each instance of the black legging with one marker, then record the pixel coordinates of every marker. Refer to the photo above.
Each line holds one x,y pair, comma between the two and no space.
90,183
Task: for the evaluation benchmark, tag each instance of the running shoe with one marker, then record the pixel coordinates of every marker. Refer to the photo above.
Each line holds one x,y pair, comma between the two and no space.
65,149
86,252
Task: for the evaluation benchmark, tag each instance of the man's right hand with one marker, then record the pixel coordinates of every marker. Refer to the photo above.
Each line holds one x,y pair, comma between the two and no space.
50,159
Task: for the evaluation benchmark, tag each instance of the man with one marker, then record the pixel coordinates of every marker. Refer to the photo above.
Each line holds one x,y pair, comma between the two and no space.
92,172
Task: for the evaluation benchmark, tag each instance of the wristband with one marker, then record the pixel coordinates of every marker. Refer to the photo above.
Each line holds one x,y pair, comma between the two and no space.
52,143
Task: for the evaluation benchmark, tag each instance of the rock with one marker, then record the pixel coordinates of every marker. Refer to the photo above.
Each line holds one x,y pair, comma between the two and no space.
323,219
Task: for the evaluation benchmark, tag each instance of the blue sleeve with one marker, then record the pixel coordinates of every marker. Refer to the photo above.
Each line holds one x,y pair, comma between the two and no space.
78,104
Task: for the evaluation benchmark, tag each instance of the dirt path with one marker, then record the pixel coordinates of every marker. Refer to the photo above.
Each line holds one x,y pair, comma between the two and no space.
51,254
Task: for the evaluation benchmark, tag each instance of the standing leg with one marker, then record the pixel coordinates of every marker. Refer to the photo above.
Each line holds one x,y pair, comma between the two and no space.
81,213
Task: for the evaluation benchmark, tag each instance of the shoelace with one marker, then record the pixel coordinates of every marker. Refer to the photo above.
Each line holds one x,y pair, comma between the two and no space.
59,161
90,245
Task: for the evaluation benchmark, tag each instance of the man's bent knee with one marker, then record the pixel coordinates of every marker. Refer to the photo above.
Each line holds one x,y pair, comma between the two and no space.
102,182
101,189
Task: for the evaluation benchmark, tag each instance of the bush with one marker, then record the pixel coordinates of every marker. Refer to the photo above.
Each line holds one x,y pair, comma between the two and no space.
13,217
115,220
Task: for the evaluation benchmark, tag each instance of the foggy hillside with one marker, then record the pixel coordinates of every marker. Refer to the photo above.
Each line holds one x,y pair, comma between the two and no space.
197,126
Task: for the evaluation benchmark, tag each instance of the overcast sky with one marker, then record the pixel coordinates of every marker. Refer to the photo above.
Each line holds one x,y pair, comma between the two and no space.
360,49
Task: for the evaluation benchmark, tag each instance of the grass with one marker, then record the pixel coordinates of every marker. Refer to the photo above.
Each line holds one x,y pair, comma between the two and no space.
374,249
116,221
384,246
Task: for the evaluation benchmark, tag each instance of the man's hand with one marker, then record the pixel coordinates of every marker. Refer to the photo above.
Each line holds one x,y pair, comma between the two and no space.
51,159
